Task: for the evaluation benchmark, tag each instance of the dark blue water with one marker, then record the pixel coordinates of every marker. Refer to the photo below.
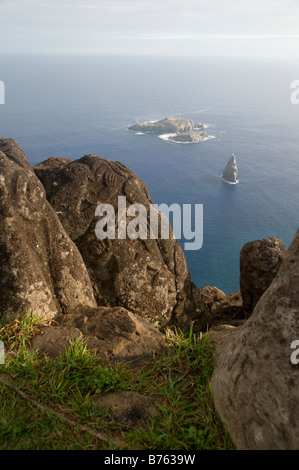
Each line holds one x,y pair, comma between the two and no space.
72,106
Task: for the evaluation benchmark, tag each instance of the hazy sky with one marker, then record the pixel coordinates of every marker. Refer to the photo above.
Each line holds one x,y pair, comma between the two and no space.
254,28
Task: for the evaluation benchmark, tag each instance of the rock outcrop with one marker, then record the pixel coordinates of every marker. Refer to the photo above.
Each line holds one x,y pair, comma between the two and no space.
211,295
230,172
115,333
228,309
259,263
12,151
255,384
148,277
220,307
55,340
41,269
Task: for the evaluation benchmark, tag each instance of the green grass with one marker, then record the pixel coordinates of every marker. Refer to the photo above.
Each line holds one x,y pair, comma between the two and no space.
49,404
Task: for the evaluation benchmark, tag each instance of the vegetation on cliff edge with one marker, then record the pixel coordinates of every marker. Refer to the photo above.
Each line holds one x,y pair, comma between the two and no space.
47,403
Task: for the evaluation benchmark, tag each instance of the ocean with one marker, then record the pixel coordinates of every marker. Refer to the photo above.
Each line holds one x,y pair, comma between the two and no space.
70,106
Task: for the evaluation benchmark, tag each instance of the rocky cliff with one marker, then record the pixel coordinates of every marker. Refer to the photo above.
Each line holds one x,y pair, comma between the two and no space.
149,277
51,259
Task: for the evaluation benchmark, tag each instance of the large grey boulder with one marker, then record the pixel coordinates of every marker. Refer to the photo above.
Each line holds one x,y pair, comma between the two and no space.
148,276
259,263
41,269
255,384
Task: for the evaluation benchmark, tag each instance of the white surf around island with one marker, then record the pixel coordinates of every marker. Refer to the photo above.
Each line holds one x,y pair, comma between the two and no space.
167,136
229,182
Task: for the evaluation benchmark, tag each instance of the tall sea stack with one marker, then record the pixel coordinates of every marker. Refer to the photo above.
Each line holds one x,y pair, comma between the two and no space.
230,172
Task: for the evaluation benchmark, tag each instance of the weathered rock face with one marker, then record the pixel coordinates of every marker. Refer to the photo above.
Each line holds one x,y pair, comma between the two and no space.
40,267
12,150
259,264
117,334
228,309
255,384
211,295
230,172
55,340
147,276
221,308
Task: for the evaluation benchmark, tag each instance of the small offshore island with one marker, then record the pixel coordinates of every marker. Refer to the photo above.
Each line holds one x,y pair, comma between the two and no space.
183,131
230,172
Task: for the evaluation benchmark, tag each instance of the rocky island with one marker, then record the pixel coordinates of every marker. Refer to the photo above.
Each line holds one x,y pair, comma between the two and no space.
175,129
188,137
230,172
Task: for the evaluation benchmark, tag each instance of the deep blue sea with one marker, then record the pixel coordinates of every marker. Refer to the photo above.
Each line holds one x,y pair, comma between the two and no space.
69,106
